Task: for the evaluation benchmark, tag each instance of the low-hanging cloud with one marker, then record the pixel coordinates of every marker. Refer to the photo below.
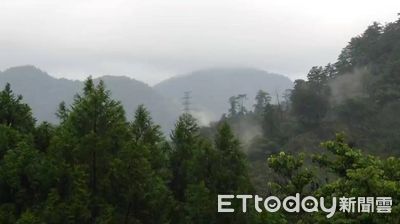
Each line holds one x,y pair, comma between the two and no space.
155,39
349,85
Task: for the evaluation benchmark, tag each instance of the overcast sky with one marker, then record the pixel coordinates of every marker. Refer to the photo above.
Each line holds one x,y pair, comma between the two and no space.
151,40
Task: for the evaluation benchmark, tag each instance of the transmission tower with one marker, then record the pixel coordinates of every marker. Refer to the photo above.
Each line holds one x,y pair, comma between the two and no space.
186,102
242,98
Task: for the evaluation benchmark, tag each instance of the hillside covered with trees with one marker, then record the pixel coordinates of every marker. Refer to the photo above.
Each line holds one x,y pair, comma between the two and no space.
101,164
358,95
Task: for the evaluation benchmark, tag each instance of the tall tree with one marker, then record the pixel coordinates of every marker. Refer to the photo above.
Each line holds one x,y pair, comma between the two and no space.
308,105
147,134
232,163
97,127
140,173
13,112
185,140
231,173
234,104
262,100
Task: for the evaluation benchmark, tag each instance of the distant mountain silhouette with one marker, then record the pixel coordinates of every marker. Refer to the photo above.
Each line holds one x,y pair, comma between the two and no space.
44,93
211,88
210,91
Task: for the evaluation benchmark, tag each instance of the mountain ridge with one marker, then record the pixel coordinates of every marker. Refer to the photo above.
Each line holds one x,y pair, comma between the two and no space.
211,89
44,92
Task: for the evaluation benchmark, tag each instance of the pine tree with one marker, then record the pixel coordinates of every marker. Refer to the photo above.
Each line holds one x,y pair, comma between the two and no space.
26,177
13,112
191,166
139,174
231,173
185,139
148,135
94,131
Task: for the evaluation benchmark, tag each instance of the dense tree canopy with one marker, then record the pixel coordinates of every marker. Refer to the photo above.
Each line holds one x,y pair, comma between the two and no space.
97,166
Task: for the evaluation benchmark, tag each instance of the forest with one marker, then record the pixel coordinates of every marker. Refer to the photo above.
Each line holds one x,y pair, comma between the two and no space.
335,134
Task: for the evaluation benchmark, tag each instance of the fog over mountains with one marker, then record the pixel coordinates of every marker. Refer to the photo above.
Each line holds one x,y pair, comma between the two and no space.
44,93
210,91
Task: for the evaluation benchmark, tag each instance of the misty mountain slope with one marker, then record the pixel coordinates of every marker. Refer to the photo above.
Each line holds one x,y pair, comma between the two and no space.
43,93
211,88
132,93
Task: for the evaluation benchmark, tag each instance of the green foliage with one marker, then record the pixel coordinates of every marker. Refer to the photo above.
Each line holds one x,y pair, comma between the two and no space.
309,102
97,167
185,140
200,171
98,124
147,135
293,178
28,218
13,112
353,174
200,206
94,167
232,166
9,138
42,136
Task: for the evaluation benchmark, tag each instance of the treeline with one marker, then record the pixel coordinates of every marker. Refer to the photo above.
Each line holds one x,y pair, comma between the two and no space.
358,95
97,167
